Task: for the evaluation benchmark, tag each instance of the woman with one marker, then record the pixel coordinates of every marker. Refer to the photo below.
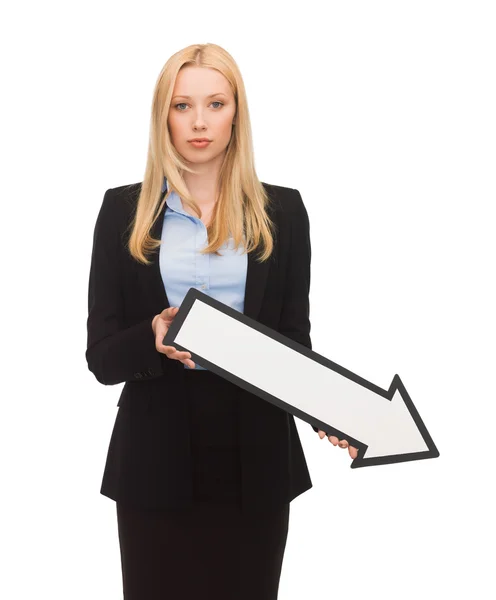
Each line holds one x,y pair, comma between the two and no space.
202,471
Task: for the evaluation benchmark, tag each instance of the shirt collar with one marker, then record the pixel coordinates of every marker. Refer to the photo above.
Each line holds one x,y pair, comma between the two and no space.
173,201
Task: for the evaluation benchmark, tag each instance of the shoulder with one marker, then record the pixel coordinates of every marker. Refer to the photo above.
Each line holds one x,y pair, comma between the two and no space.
117,209
119,205
123,196
285,200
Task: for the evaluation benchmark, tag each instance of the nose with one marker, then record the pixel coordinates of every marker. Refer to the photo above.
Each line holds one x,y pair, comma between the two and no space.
199,121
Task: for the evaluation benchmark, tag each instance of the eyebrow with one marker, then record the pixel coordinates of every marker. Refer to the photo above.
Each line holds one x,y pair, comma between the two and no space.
209,96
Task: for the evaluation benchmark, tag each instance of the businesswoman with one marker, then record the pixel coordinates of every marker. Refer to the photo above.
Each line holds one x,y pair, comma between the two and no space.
202,471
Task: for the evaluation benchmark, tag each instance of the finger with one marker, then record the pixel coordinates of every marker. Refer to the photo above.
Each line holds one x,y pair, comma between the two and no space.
168,348
177,354
343,444
161,348
322,434
168,314
187,361
353,452
333,439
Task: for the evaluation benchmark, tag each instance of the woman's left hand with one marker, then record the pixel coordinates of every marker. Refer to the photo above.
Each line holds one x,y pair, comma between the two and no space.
341,443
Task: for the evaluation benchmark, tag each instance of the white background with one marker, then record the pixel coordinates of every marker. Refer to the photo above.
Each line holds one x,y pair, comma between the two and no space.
382,115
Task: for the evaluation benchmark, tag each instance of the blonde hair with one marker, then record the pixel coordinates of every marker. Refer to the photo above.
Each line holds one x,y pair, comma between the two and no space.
241,208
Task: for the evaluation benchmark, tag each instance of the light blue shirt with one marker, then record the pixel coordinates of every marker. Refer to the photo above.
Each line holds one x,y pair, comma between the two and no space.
183,267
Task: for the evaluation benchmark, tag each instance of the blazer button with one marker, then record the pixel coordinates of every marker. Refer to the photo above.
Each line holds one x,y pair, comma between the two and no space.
138,375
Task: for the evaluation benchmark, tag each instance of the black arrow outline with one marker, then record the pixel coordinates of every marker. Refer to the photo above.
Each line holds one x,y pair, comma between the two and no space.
396,385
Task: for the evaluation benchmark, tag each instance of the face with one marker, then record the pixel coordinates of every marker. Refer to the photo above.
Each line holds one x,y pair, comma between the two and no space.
202,105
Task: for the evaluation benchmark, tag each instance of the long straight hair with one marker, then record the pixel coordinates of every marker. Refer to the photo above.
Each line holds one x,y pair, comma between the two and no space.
241,210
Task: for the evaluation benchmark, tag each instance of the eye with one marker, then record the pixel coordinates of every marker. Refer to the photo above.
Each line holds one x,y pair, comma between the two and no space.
184,104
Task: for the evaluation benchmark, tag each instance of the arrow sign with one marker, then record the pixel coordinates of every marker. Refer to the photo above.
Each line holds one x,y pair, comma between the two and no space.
383,425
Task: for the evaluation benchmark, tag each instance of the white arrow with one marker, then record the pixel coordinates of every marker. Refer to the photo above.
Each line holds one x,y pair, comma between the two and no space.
383,424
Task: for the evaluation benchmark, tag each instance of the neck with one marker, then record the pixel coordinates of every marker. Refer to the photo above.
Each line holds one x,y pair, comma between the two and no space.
204,184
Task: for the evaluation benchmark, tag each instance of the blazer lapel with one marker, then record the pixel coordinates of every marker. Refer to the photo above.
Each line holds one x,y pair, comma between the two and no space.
256,276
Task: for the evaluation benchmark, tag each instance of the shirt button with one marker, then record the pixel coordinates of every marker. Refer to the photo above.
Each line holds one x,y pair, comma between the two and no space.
203,287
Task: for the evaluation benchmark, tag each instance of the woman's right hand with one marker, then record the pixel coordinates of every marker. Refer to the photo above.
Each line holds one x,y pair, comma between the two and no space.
160,326
341,443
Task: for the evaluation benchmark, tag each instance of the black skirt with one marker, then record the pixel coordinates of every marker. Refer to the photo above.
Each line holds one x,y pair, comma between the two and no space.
213,550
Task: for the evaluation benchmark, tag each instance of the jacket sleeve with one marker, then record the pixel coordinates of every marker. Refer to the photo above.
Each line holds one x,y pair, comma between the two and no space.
114,353
295,314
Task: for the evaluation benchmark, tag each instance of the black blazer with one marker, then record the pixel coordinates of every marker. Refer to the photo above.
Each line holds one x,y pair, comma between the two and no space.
148,462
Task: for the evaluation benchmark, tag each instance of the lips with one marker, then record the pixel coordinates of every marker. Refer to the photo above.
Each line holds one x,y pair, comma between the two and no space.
200,145
200,140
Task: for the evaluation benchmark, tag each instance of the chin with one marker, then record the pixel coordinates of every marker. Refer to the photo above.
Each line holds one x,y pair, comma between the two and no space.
200,157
